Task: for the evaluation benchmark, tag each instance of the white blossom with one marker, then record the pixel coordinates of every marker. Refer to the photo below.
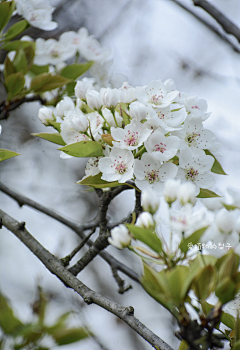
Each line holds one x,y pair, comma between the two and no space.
82,86
108,116
171,188
126,93
131,137
45,114
187,193
117,167
64,106
151,174
161,147
150,201
138,110
109,97
145,220
120,237
93,99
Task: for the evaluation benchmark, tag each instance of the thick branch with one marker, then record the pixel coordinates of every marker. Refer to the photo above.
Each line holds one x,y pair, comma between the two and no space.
226,24
55,267
78,228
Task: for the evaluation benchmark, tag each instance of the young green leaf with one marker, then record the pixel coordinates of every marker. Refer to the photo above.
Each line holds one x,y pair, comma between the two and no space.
47,82
8,68
6,154
6,10
36,70
205,193
8,322
54,137
14,84
67,336
83,149
216,168
16,29
97,182
147,237
75,70
192,239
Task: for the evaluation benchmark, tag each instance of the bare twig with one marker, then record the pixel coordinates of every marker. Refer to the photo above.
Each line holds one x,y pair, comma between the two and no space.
121,283
66,260
78,228
213,28
226,24
7,106
55,266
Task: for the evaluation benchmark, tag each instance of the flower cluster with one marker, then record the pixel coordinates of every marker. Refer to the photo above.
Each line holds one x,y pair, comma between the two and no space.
149,134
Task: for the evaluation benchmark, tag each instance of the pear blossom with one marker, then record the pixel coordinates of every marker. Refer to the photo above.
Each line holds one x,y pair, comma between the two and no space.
109,97
91,168
185,221
138,110
150,201
171,188
155,94
108,116
145,220
73,126
82,86
197,107
38,13
213,204
52,51
196,168
235,194
161,147
96,123
45,114
171,116
120,237
117,167
151,174
91,49
93,99
131,137
64,106
194,135
186,193
127,93
74,39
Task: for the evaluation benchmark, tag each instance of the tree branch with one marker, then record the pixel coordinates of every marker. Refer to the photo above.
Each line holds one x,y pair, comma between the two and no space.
227,25
78,228
7,106
213,28
55,266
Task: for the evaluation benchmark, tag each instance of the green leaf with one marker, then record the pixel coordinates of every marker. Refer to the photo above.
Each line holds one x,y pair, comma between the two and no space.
216,168
205,281
8,322
176,278
47,82
227,265
147,237
156,285
97,182
14,45
8,67
205,193
20,61
36,70
230,207
192,239
83,149
16,29
14,84
54,137
236,345
6,154
6,10
70,88
226,290
60,323
55,125
73,71
227,319
67,336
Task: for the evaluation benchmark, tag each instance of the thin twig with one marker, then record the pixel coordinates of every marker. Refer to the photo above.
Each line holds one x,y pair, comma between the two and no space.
66,260
55,266
78,228
120,282
8,106
209,25
227,25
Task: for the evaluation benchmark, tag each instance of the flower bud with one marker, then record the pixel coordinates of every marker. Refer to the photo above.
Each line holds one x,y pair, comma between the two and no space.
187,193
108,139
45,114
120,237
64,106
109,97
145,220
92,97
150,201
171,189
138,110
82,86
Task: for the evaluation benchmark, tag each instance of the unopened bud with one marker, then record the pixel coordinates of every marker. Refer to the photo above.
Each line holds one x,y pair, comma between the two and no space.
120,237
150,201
145,220
108,139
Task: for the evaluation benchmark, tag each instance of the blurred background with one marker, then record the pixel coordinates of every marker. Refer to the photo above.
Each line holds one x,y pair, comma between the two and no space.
154,39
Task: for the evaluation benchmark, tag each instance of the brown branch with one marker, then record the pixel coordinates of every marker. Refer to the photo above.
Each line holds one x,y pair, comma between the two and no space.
8,106
209,25
227,25
55,266
78,228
